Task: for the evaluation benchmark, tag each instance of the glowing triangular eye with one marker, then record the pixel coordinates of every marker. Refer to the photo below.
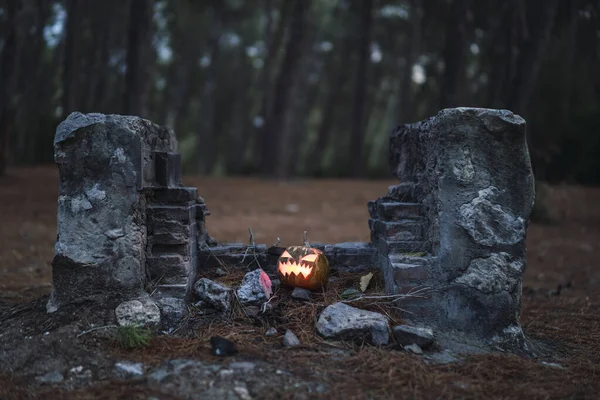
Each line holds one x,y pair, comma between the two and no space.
286,254
310,258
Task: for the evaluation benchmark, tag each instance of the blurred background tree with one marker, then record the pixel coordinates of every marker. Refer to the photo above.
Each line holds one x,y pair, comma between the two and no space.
286,88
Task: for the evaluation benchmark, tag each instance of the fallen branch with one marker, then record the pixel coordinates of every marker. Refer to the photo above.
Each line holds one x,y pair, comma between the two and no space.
97,329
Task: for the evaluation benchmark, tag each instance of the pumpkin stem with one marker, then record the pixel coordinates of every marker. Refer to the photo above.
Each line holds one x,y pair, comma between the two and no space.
306,244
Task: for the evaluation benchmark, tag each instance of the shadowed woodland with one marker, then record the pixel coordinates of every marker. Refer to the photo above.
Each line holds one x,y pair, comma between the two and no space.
306,87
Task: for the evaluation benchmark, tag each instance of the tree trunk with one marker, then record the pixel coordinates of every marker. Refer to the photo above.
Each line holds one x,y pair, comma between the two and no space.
206,144
71,60
277,149
531,54
357,154
455,55
139,44
337,75
273,42
7,82
405,106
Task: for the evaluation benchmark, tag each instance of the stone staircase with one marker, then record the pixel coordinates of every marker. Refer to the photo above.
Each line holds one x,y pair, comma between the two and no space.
172,211
399,232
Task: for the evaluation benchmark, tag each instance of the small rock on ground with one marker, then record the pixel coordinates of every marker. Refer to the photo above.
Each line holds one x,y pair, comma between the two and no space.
172,311
255,288
290,339
222,347
301,294
127,370
413,348
341,321
51,377
142,312
406,335
271,332
214,294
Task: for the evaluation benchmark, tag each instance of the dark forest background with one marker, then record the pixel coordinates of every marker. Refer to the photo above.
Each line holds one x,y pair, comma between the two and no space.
288,88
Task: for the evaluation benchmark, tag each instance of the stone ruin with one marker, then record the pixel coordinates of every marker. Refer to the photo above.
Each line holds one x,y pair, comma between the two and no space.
450,235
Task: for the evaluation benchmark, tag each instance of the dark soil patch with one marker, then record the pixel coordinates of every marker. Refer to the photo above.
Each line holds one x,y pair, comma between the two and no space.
565,321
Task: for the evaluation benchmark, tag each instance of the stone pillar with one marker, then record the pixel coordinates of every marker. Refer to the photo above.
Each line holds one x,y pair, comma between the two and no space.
453,231
104,162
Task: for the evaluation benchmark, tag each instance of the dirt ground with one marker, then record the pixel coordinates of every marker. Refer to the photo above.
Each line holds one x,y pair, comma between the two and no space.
565,253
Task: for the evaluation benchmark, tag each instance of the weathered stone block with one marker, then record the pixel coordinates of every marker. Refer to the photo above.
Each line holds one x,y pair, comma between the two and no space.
394,211
488,222
167,168
175,249
172,195
173,290
493,274
104,162
169,269
172,232
407,246
405,192
469,172
404,273
406,230
176,213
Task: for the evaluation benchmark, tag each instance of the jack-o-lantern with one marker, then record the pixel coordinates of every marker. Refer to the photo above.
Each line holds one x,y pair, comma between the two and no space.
304,267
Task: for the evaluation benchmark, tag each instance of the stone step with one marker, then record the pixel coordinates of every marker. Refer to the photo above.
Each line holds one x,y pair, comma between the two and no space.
187,249
404,230
406,246
173,195
176,213
407,259
409,273
171,232
170,269
405,191
395,211
177,290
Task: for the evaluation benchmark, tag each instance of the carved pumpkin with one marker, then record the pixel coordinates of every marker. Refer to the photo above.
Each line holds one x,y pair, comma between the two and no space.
304,267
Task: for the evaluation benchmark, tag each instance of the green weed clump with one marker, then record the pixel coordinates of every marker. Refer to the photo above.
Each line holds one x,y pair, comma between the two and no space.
133,337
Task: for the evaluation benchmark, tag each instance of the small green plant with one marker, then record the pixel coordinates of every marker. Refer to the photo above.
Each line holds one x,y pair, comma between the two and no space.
133,336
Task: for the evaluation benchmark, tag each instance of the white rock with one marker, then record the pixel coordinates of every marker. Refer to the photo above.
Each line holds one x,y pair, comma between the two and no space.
51,377
290,339
341,321
126,369
142,312
271,332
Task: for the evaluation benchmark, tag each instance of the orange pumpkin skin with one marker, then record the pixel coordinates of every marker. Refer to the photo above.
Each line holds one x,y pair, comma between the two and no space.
303,267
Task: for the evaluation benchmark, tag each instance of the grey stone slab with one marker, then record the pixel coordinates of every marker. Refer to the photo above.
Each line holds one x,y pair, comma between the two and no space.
185,213
393,211
167,168
173,195
103,167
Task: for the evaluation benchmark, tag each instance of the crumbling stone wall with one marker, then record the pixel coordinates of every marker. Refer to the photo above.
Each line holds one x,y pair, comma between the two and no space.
126,225
464,199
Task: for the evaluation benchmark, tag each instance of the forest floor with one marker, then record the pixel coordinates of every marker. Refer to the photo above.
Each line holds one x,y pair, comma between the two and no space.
564,253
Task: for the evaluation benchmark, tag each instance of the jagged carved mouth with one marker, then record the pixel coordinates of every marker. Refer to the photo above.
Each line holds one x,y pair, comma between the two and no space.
303,266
